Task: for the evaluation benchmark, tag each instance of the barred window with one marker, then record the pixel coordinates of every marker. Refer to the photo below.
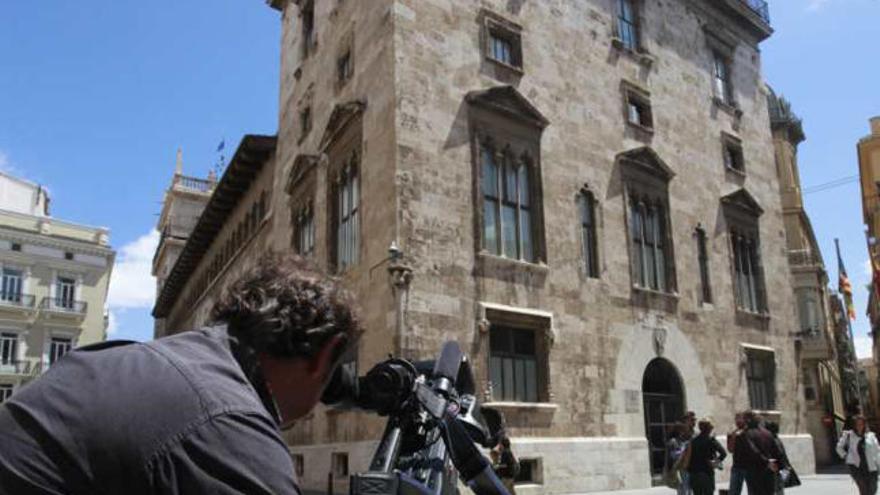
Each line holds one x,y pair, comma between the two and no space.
748,274
513,364
627,25
761,379
651,254
347,218
507,211
587,208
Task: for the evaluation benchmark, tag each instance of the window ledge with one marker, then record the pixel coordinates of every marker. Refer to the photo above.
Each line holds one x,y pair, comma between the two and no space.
512,68
652,292
731,108
535,406
501,261
737,172
753,314
641,128
640,55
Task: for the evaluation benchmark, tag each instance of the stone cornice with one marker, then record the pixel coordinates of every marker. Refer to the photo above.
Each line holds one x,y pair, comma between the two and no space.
57,242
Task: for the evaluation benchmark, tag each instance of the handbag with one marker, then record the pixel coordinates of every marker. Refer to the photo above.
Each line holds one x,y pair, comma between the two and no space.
790,477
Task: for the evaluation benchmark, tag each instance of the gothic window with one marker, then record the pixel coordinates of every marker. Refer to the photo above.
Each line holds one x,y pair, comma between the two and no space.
646,180
627,24
347,207
761,379
703,258
587,210
507,210
741,212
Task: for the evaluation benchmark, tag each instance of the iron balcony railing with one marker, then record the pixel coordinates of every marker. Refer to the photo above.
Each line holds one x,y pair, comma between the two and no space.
63,305
803,257
760,7
16,367
16,299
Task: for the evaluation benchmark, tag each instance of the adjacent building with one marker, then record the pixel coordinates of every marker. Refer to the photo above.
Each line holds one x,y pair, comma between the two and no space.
583,194
816,344
868,150
54,278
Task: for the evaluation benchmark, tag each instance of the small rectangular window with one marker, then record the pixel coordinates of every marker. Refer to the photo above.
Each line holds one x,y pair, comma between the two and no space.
68,256
530,472
638,110
733,153
703,257
16,246
339,465
299,463
5,392
305,232
503,41
721,77
65,293
513,364
344,67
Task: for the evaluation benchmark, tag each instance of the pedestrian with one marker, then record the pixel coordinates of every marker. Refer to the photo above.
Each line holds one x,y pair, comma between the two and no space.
785,468
678,459
859,448
505,464
759,456
706,456
737,471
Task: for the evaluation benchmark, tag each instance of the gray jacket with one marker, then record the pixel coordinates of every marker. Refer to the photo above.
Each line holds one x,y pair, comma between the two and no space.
176,415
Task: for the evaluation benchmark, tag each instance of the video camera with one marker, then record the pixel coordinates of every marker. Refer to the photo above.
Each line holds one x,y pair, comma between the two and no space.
434,422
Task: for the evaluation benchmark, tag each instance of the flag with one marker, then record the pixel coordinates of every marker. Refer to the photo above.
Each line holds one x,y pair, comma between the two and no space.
221,145
843,285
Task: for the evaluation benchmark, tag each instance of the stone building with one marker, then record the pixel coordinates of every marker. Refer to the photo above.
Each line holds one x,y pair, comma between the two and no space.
815,343
584,195
869,176
54,277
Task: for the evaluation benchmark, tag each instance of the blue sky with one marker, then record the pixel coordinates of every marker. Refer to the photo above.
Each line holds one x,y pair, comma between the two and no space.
95,101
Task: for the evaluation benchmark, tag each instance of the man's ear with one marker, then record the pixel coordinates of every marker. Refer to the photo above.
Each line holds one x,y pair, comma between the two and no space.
325,357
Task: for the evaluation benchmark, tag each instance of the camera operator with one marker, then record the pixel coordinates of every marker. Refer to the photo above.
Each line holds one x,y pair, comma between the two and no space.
196,412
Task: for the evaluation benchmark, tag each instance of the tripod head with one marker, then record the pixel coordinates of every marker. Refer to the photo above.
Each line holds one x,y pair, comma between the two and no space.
434,422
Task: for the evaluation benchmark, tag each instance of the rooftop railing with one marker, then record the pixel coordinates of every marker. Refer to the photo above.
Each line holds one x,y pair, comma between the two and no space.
760,7
194,183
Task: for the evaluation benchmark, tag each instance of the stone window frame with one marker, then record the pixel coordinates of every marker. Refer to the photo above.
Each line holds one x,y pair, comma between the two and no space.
762,391
305,122
722,46
345,61
301,187
344,149
339,464
636,96
496,26
536,471
506,132
706,296
646,178
742,215
591,266
618,40
538,321
733,156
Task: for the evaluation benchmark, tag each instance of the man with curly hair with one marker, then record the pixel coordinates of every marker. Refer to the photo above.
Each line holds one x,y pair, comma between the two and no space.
195,412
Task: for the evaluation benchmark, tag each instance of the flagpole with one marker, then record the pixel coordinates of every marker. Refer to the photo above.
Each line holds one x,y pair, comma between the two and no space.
852,342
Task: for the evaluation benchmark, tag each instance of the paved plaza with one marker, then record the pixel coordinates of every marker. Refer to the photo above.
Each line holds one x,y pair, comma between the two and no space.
823,484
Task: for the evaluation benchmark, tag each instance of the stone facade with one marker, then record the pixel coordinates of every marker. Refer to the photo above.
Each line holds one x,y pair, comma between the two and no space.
402,98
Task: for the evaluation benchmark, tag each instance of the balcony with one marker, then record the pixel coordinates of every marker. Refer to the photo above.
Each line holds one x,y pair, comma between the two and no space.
20,368
760,7
193,184
804,258
16,301
59,307
816,345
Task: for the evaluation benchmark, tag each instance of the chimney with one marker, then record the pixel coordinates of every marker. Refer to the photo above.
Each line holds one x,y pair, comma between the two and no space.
875,126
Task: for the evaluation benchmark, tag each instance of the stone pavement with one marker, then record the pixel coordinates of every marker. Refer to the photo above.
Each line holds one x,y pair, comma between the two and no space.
823,484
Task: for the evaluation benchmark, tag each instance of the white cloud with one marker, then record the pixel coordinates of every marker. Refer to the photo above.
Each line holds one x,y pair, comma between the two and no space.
863,347
132,285
111,323
815,5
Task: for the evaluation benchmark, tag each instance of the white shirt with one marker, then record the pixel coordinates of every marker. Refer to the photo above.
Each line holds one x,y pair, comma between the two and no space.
848,449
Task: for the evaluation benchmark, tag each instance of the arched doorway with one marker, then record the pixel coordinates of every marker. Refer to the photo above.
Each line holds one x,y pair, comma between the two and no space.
663,395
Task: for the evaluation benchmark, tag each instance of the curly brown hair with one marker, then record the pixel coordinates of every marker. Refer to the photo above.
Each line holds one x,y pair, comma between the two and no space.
286,307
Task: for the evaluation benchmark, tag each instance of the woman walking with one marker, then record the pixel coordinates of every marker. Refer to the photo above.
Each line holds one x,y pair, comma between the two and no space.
860,449
678,459
706,455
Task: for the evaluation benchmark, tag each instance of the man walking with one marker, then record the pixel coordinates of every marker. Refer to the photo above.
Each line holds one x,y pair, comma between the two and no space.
737,472
759,456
